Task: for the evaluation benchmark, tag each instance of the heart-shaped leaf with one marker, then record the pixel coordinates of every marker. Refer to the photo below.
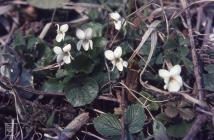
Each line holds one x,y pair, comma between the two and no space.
81,91
135,118
107,125
53,86
82,64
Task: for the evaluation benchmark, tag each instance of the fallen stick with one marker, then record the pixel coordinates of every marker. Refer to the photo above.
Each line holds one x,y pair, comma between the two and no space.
70,130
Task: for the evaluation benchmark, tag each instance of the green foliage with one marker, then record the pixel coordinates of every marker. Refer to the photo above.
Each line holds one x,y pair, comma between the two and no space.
97,28
47,4
107,125
81,91
82,64
50,120
19,40
53,86
209,81
33,50
86,75
102,77
176,50
61,73
178,130
209,68
186,114
209,77
153,106
93,14
172,110
135,118
159,131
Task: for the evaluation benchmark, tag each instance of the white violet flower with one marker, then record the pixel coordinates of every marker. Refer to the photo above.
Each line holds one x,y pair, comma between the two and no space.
172,79
63,54
118,20
84,37
61,30
115,58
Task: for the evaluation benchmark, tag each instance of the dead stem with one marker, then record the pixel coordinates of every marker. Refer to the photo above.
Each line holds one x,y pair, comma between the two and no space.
201,119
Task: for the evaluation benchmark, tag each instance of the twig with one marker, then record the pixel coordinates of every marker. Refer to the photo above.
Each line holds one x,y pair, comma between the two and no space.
197,72
201,119
93,135
186,96
123,118
71,129
102,97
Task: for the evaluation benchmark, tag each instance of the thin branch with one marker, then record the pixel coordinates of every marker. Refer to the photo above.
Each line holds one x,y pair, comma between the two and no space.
93,135
201,119
123,118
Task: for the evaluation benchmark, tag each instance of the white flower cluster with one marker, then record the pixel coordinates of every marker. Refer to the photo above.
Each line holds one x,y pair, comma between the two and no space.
85,42
84,36
172,79
63,54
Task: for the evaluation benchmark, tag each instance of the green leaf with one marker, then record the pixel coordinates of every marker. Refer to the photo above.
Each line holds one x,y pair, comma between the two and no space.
209,81
171,111
186,114
61,73
47,4
183,51
135,118
93,14
102,77
153,106
183,42
26,78
159,59
163,118
99,42
81,91
50,120
178,130
46,56
31,42
53,86
82,64
209,68
19,40
126,47
188,64
159,131
107,125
